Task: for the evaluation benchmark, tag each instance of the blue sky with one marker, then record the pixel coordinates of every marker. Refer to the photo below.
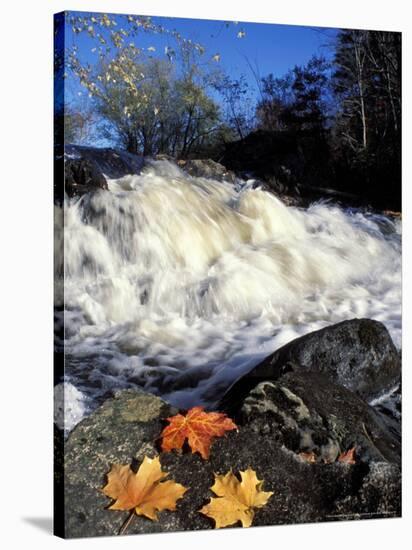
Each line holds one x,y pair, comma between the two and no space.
268,48
274,48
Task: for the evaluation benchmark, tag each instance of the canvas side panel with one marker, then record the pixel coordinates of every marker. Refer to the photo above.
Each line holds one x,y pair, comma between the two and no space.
58,177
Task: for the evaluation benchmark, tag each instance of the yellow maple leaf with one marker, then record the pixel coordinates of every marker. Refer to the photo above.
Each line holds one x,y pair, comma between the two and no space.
144,491
236,499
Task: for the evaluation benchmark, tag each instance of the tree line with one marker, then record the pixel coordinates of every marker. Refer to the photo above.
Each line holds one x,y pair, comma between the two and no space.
346,110
350,107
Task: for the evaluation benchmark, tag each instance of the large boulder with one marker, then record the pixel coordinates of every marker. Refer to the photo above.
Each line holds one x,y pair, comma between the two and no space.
82,176
306,412
126,428
88,168
207,168
122,429
358,354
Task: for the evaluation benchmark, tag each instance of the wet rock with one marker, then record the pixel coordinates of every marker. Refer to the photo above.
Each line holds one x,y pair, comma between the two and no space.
207,168
88,168
381,491
358,354
82,176
123,428
306,412
127,428
305,492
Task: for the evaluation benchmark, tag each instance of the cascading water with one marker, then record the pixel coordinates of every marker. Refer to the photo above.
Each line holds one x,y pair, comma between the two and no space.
180,284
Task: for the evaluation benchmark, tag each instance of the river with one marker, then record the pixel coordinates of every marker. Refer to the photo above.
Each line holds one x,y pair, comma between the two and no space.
179,284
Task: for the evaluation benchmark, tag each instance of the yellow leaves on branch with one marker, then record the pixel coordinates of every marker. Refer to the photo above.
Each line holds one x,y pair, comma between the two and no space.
144,491
198,427
236,500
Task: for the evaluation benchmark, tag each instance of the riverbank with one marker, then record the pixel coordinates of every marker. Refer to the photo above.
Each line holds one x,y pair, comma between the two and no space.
185,285
179,283
293,430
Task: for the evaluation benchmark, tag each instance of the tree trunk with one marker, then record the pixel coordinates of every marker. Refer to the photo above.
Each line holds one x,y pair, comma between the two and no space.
132,143
183,152
359,67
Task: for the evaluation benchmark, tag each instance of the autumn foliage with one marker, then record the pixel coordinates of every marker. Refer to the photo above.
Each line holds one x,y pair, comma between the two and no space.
144,491
348,457
309,457
198,427
236,499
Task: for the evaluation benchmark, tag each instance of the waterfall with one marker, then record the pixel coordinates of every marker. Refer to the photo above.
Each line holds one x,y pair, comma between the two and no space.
180,284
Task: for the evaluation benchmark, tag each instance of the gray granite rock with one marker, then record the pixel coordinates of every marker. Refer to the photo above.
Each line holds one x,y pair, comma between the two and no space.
207,168
122,429
126,428
87,169
358,354
307,412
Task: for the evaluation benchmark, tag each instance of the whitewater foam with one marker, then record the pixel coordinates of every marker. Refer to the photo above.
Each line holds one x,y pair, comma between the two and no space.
179,284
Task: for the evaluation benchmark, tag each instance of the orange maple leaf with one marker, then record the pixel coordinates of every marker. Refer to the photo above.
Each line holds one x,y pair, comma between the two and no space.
309,457
348,457
198,427
143,492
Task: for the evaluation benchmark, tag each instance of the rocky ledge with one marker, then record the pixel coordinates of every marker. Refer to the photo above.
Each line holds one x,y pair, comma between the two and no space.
358,354
87,169
301,410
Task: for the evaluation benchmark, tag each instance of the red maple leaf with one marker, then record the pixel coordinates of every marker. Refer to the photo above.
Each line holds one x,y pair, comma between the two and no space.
198,427
348,457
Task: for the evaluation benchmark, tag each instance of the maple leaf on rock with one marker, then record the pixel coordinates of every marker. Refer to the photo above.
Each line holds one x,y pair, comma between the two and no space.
309,457
348,457
236,499
144,491
198,427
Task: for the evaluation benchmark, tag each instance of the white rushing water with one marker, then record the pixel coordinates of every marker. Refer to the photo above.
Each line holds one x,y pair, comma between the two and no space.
168,275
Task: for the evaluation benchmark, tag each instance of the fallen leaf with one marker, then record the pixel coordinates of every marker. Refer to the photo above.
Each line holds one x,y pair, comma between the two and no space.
308,457
236,499
348,457
142,491
198,427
